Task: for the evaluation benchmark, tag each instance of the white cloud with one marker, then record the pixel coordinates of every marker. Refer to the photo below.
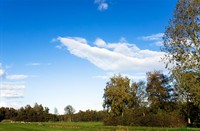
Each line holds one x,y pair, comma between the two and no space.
156,38
12,94
12,90
3,104
11,103
16,77
49,64
40,64
100,43
33,64
102,4
11,86
114,56
159,43
1,72
153,37
135,76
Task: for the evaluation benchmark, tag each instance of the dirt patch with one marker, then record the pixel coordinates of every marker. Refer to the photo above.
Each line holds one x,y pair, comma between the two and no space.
65,127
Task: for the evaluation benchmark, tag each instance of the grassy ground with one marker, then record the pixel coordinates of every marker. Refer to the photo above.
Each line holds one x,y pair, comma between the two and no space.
78,126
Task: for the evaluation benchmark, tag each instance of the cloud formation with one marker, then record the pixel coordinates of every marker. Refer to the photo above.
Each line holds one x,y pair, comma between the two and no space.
156,38
120,56
102,4
11,91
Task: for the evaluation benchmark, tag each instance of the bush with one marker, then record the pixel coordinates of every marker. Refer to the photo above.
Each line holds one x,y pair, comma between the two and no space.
139,118
1,117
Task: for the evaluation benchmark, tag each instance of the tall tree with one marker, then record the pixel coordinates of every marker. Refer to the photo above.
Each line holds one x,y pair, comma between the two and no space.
69,110
158,90
117,95
56,111
182,47
138,94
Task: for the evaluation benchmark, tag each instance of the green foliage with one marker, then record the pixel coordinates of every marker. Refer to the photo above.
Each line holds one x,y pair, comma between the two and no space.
137,118
117,95
38,113
7,113
69,110
151,104
120,94
182,47
182,36
89,115
159,91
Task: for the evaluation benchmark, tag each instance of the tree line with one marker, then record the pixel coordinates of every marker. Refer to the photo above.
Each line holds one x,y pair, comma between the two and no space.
38,113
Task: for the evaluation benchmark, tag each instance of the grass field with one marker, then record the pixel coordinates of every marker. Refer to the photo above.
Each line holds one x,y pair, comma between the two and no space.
79,126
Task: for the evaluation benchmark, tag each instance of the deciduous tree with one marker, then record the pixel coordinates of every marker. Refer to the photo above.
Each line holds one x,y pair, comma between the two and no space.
182,47
158,90
117,95
69,110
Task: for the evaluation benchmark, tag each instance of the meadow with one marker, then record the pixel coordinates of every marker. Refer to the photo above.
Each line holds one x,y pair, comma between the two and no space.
79,126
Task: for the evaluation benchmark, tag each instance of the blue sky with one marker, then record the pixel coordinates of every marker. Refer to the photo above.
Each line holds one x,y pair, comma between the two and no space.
61,52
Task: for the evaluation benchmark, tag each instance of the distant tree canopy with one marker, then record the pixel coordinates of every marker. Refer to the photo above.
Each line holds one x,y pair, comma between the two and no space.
69,110
36,114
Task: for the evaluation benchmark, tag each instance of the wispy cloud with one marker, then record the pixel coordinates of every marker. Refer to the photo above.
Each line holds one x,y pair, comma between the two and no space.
33,64
102,4
135,76
16,77
1,72
11,94
16,103
153,37
114,56
12,86
156,38
38,64
12,90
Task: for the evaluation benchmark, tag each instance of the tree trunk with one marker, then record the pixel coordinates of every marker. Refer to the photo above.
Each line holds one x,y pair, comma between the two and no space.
189,122
143,114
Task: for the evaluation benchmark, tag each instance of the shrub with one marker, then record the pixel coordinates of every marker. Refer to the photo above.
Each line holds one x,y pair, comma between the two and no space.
139,118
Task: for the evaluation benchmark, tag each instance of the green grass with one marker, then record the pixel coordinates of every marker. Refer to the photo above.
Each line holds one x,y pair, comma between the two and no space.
79,126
